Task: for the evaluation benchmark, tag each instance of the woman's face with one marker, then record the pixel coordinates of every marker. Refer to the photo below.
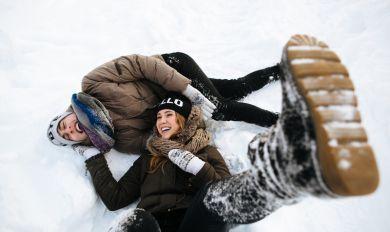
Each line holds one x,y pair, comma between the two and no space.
166,123
69,129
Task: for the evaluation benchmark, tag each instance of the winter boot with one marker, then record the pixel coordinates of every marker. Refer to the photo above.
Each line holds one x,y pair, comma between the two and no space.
320,124
318,146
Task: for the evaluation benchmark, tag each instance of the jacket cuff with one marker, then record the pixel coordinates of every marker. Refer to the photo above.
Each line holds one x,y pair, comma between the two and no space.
203,176
94,158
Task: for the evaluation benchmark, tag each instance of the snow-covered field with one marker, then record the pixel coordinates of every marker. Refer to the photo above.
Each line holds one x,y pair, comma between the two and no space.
47,46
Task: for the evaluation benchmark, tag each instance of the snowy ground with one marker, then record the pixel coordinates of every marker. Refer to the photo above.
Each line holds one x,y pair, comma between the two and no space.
46,47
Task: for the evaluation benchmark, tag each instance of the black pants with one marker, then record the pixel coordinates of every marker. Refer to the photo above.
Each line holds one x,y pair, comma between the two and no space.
224,93
199,218
194,219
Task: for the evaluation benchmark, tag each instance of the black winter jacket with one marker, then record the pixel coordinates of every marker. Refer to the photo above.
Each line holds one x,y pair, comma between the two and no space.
161,191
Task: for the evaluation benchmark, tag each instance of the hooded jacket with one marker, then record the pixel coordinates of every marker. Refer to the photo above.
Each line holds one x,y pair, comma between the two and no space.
129,87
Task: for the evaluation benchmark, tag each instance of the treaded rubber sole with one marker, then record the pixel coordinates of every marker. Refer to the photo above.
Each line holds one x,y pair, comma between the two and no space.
346,159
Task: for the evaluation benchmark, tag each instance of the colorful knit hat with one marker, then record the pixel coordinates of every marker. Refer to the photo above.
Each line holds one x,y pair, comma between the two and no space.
94,120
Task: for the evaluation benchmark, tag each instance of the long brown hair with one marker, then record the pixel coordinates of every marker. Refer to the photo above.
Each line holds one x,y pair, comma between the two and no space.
157,160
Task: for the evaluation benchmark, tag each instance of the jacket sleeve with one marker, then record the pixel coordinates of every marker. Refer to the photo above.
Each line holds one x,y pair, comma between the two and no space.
115,194
137,67
132,141
214,168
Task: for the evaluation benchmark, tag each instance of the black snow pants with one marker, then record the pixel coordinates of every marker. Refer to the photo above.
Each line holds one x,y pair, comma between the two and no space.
224,93
194,219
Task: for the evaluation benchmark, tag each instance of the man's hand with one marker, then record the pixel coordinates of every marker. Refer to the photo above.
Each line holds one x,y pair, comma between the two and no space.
186,161
197,98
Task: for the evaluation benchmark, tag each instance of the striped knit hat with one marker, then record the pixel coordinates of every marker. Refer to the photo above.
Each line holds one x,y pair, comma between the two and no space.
94,120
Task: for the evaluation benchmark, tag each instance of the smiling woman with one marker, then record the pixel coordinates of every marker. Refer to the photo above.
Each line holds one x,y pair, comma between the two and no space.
168,123
165,188
171,114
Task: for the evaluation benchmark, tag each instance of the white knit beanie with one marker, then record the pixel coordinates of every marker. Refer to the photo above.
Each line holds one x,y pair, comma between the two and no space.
52,132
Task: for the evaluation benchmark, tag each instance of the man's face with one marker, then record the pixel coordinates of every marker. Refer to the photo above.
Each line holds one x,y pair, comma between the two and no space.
69,129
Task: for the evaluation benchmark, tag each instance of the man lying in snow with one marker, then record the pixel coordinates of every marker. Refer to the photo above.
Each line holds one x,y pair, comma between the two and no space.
318,147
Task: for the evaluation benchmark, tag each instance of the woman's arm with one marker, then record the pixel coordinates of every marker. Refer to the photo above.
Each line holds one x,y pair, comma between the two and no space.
115,194
214,168
211,169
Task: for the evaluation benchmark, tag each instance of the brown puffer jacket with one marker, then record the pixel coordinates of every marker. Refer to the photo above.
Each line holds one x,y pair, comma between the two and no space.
129,87
161,191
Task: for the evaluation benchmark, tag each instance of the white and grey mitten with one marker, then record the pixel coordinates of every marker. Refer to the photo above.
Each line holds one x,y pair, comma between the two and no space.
186,161
86,151
197,98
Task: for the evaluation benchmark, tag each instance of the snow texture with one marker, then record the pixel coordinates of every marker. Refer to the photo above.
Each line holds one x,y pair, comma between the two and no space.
47,46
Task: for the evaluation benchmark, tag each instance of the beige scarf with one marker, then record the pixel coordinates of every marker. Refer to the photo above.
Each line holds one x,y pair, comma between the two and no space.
192,138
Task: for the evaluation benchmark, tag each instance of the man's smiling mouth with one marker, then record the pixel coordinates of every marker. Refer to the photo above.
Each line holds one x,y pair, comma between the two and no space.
78,128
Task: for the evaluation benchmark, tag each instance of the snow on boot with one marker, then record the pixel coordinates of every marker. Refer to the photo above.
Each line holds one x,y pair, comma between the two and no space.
137,220
315,81
317,147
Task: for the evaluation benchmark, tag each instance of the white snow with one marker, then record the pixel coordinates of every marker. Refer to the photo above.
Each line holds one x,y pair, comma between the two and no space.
344,164
348,111
333,142
342,125
303,61
47,46
341,93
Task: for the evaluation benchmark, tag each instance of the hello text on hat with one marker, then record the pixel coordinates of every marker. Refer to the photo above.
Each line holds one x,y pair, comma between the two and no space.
176,102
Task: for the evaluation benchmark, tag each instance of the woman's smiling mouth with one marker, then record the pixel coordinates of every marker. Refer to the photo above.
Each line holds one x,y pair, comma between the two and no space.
165,129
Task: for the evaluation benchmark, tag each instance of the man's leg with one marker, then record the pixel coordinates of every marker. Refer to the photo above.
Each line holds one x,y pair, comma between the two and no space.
318,147
236,89
226,109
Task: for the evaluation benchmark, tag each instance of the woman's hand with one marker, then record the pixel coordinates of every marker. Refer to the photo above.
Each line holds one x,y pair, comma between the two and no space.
85,151
186,161
197,98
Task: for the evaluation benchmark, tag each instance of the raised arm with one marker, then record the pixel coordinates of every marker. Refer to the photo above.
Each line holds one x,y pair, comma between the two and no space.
137,67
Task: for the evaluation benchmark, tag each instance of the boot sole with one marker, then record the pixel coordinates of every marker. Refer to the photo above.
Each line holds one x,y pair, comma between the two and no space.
346,159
